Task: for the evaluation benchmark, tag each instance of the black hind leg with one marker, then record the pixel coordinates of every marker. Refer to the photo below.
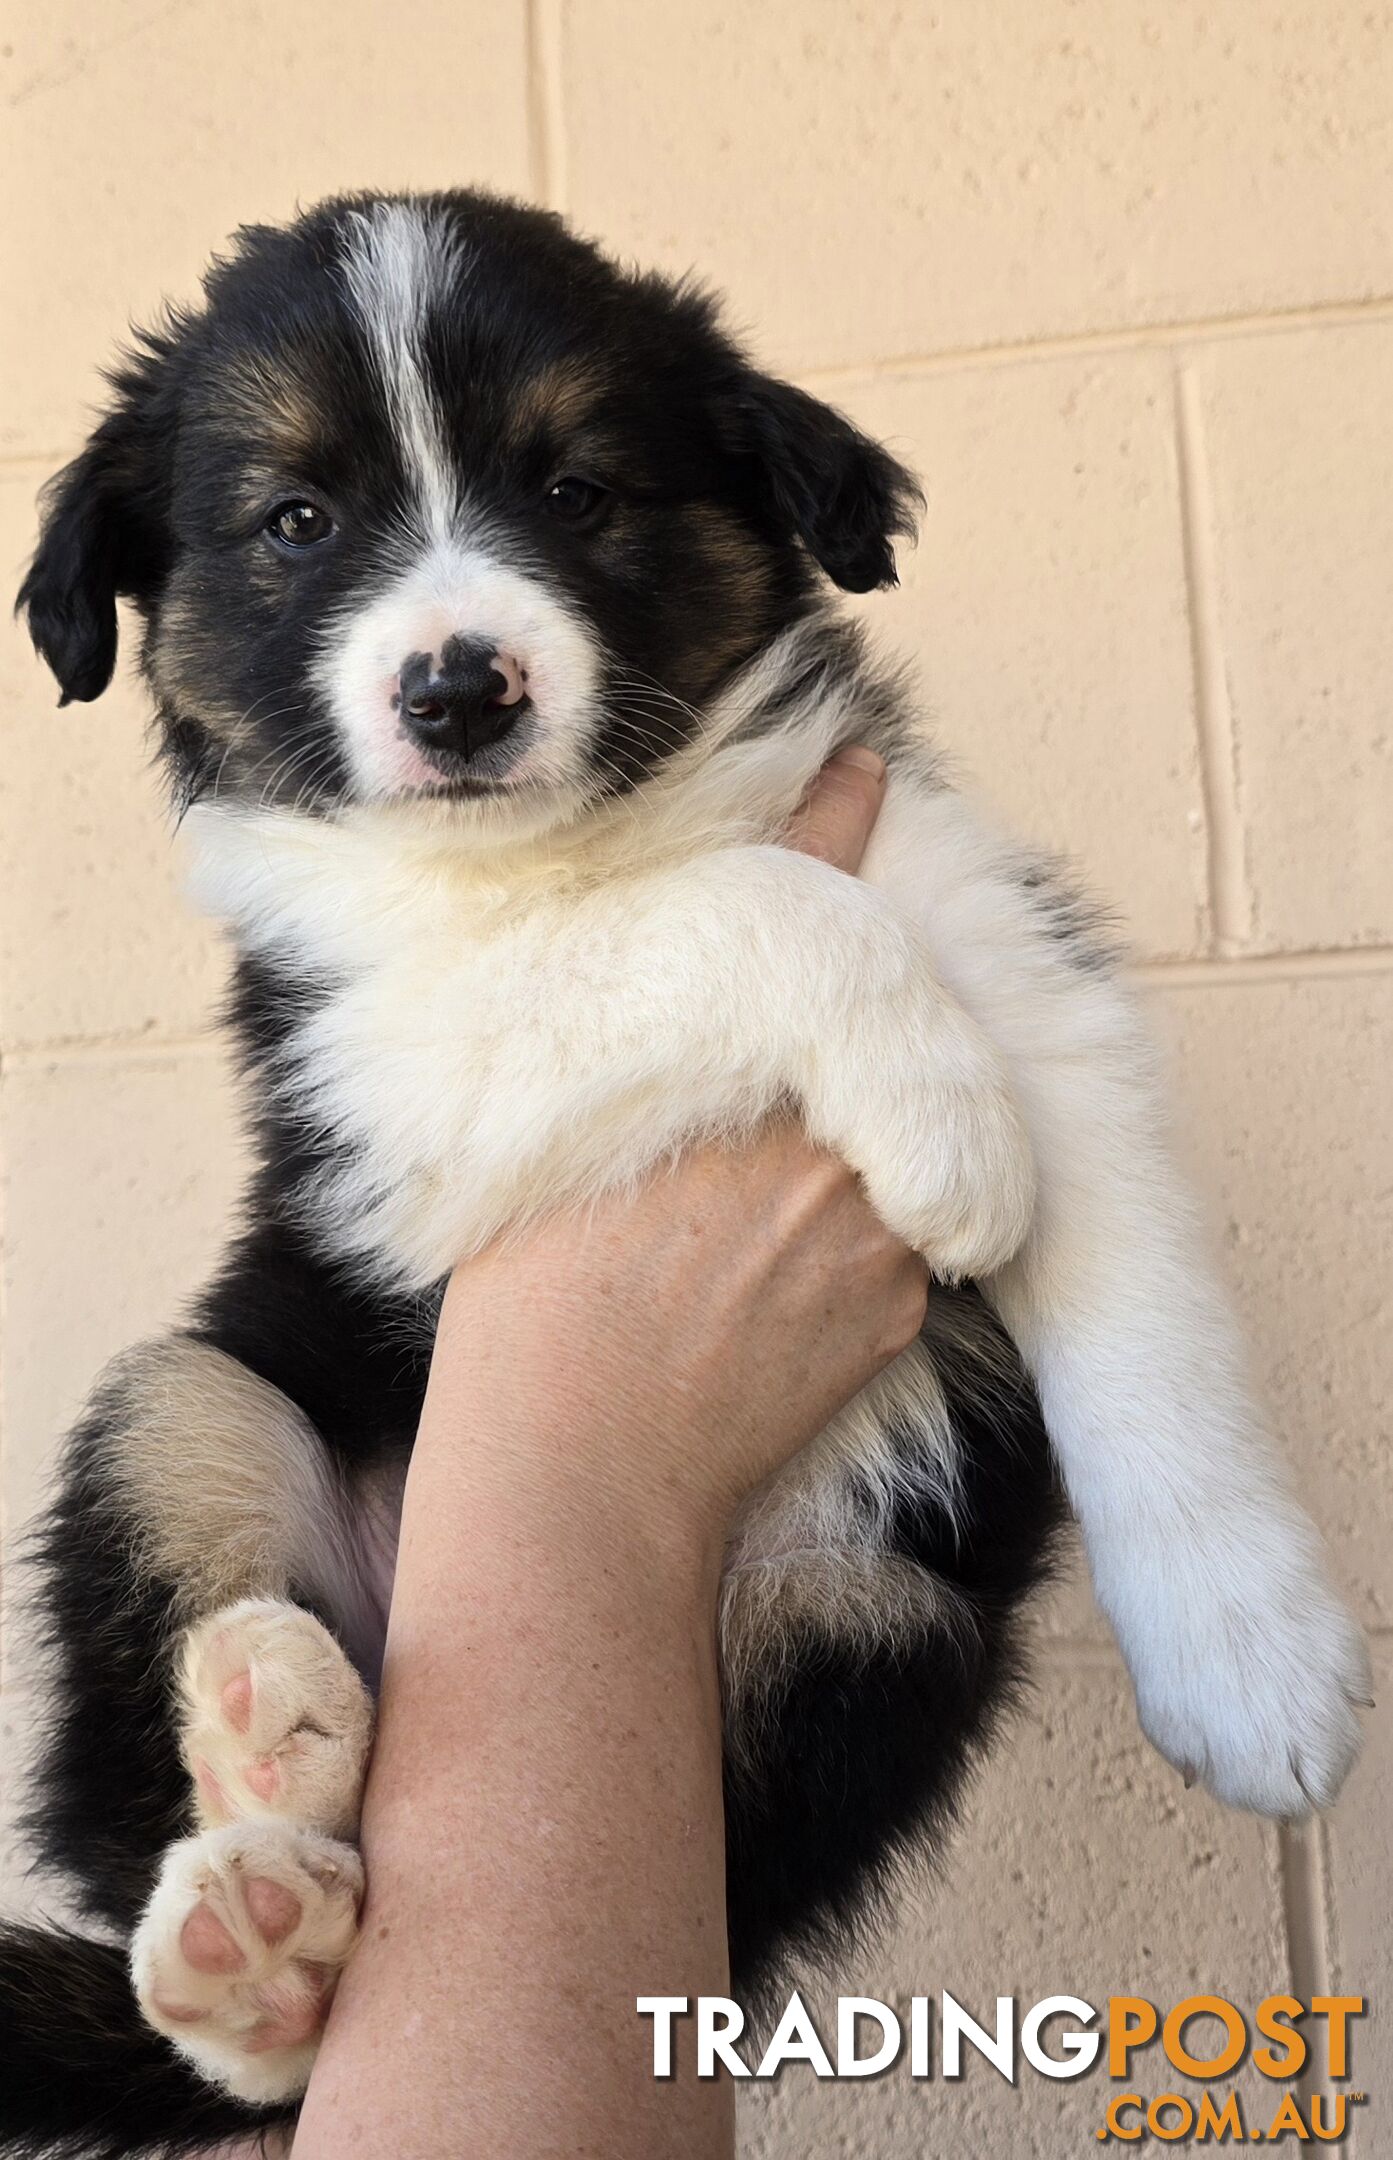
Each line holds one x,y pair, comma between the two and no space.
857,1759
110,1791
83,2077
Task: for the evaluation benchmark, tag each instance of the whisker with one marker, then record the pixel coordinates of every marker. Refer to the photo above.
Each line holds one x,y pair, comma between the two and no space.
289,763
208,790
637,678
315,780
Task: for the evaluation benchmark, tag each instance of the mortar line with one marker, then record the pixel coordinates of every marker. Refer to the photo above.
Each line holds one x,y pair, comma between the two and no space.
1230,897
1262,968
1127,337
1334,1960
538,147
545,116
1304,1876
95,1049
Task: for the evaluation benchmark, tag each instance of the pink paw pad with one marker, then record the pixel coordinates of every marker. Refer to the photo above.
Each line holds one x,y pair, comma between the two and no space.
207,1944
275,1911
298,2022
236,1701
179,2013
262,1776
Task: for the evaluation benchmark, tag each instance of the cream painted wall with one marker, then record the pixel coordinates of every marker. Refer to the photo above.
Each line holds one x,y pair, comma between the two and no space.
1119,279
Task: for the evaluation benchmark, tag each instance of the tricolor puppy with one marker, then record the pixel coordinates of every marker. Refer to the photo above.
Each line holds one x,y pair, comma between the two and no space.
485,602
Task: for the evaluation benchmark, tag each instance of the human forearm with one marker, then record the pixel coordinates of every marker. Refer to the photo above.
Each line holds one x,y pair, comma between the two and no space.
543,1826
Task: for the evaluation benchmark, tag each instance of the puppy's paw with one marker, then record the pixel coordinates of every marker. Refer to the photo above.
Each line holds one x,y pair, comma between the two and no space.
276,1721
1251,1674
957,1177
240,1949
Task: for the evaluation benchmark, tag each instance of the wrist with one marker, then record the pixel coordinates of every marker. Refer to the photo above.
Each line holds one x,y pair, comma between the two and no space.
584,1448
566,1408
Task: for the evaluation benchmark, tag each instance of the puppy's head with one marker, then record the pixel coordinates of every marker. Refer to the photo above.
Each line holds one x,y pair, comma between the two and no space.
429,500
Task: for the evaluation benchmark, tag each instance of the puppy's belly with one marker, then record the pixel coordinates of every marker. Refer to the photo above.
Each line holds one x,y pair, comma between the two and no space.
355,1585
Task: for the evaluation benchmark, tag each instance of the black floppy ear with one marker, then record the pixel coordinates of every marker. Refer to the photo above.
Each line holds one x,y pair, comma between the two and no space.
822,480
103,535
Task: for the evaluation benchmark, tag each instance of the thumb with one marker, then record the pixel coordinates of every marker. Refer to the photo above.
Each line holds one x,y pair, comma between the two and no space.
835,818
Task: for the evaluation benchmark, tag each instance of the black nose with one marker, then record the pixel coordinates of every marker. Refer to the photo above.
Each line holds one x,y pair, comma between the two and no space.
466,705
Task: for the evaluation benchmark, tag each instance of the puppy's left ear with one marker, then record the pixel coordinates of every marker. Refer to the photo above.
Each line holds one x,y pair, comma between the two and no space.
822,481
103,534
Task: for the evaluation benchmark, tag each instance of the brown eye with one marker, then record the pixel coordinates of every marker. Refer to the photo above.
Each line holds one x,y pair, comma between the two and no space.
299,524
576,502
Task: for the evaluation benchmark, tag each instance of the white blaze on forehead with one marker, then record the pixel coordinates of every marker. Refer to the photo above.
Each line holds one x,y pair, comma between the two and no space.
402,261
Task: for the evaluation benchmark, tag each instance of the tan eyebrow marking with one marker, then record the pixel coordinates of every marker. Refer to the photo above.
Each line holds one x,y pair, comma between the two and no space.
268,399
559,397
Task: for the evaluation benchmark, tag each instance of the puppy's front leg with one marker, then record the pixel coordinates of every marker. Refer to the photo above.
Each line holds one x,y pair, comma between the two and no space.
904,1087
891,1071
1247,1667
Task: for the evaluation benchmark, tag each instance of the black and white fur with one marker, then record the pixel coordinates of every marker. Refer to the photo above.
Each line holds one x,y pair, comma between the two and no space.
483,604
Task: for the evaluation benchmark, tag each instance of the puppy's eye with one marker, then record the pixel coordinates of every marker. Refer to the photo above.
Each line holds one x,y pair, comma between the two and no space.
299,524
577,502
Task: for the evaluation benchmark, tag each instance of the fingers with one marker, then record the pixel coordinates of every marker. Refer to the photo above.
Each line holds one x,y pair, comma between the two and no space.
835,819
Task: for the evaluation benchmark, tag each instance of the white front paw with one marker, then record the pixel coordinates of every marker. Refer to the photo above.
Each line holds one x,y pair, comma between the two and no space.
1250,1673
954,1176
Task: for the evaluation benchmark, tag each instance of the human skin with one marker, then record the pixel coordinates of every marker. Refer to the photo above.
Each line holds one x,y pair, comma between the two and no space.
543,1821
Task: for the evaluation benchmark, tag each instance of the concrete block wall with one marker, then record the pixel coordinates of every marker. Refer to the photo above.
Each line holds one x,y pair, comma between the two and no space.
1119,281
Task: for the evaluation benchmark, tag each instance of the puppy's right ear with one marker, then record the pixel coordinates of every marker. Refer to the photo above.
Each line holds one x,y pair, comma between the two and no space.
103,534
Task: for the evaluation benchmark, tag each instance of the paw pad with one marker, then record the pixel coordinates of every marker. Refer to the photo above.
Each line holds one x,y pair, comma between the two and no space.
240,1949
276,1720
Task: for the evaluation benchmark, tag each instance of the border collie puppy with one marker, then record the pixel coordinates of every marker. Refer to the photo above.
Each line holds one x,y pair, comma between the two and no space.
484,594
